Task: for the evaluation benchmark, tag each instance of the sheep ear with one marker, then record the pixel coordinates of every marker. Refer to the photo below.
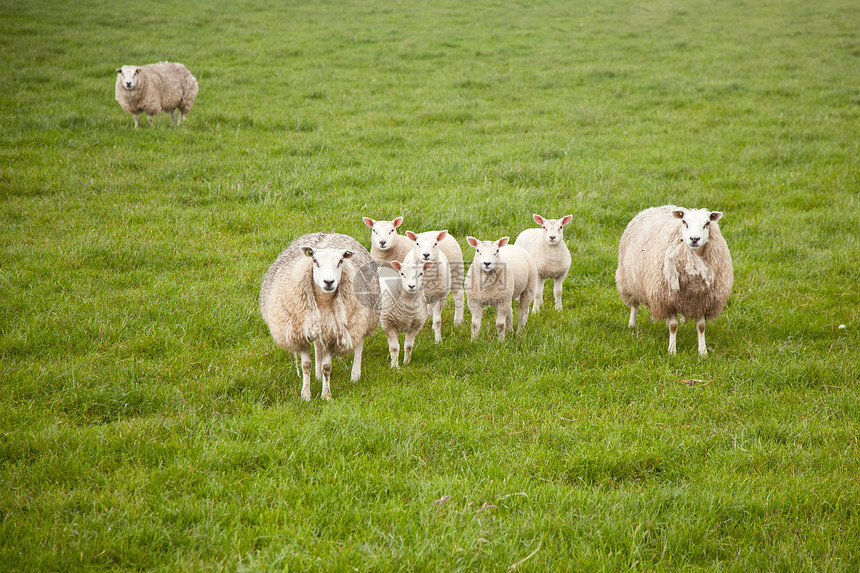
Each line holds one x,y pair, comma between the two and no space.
119,70
396,265
428,264
678,214
442,235
397,222
473,242
347,254
566,220
368,221
309,252
715,215
503,241
412,236
538,219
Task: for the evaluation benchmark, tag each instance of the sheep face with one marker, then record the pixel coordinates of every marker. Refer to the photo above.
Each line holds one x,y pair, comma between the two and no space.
427,244
327,267
487,252
383,232
411,275
129,76
553,229
695,225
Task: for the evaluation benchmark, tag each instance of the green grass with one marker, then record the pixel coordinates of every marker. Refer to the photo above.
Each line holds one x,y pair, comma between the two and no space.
148,422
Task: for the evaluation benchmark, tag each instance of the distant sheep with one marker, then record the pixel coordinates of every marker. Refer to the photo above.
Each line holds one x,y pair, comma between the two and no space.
151,89
500,274
552,258
402,308
676,262
323,289
437,279
386,244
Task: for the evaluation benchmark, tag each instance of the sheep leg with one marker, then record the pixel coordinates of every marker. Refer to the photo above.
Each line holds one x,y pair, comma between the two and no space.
700,330
634,309
459,303
523,313
173,117
556,291
136,120
538,296
326,376
477,312
317,363
150,119
437,319
393,347
672,323
356,362
408,344
306,374
504,317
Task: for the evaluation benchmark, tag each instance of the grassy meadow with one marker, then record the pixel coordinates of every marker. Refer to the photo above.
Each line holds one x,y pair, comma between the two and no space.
148,422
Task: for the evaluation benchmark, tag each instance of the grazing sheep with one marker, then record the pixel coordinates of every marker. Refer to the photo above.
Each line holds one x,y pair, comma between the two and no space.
323,289
385,244
437,279
151,89
676,262
504,273
547,248
402,307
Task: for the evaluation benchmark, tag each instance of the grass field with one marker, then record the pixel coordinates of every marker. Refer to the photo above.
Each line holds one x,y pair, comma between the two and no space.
148,422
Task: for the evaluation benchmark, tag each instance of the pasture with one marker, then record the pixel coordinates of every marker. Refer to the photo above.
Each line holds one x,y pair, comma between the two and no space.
148,422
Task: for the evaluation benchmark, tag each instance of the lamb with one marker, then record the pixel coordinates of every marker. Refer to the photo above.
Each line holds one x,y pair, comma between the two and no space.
385,244
676,262
437,279
402,309
323,289
151,89
504,273
551,256
427,244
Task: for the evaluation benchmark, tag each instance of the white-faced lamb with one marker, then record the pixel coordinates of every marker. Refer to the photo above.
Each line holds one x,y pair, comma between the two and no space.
323,289
427,245
153,88
676,262
549,251
437,278
402,306
386,244
500,274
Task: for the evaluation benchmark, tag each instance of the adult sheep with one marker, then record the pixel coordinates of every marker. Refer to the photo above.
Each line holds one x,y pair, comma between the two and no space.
323,289
153,88
676,262
500,274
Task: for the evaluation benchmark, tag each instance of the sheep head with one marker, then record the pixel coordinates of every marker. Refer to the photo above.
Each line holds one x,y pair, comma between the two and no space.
695,225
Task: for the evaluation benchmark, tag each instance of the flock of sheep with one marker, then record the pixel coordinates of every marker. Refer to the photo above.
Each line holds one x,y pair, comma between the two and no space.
327,289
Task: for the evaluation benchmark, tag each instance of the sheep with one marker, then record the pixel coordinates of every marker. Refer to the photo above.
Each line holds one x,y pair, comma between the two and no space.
504,273
385,244
323,289
426,246
402,307
676,262
551,256
437,279
153,88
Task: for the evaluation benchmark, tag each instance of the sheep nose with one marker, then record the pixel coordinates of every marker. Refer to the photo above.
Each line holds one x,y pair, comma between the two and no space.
487,265
426,256
410,287
382,244
695,240
128,84
329,284
552,238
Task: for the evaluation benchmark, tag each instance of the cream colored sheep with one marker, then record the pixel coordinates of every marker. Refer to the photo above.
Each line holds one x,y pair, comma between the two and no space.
151,89
500,274
437,279
322,289
676,262
386,244
402,308
552,258
427,244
